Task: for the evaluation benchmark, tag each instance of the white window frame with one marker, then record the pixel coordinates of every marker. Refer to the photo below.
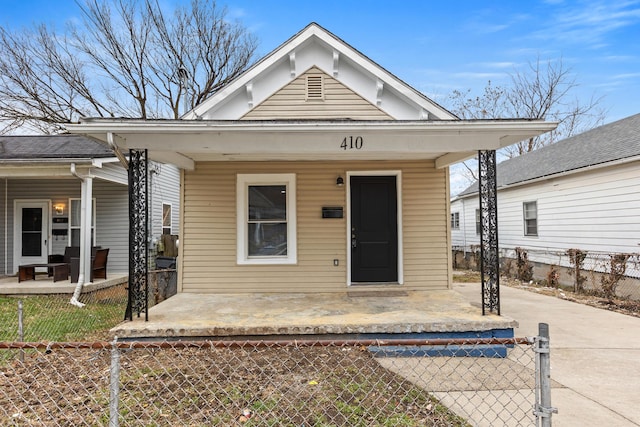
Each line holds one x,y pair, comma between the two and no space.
170,226
525,218
242,184
455,220
93,220
478,222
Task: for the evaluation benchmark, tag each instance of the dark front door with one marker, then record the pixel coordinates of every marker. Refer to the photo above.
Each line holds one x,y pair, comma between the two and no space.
374,229
31,225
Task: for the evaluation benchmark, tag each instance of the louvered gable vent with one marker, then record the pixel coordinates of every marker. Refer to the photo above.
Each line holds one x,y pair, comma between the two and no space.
315,88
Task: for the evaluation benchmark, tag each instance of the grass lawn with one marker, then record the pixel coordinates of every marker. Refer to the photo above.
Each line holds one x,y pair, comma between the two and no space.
53,318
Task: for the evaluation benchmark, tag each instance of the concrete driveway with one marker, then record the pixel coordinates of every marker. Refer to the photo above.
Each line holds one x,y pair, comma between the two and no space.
595,355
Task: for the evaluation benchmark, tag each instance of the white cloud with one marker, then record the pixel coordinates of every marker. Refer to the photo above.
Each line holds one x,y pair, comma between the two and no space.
588,23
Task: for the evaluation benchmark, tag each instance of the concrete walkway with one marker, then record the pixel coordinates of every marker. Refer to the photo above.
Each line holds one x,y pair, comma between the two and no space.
595,355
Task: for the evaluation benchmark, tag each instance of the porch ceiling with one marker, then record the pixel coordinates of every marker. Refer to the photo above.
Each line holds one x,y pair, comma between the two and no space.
184,142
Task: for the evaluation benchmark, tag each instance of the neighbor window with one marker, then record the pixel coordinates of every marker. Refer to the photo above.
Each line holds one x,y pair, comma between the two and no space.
75,209
166,218
530,215
478,223
455,220
266,219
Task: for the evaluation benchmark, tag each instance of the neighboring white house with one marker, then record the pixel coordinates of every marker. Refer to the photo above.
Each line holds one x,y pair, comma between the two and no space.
582,192
41,180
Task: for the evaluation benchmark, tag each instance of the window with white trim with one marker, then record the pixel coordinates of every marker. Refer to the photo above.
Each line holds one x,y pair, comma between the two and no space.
530,217
75,213
166,218
478,222
266,210
455,220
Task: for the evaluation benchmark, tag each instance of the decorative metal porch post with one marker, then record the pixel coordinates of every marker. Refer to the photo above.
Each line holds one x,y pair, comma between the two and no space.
489,256
138,241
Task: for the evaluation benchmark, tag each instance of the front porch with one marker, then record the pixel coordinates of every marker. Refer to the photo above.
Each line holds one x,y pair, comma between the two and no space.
431,314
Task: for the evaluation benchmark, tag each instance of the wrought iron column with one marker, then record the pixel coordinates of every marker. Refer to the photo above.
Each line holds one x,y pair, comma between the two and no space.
138,239
489,256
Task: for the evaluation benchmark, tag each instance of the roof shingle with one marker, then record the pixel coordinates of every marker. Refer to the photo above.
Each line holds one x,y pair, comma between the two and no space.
614,141
32,147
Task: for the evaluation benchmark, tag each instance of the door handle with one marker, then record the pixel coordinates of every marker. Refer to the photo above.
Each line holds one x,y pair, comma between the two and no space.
354,241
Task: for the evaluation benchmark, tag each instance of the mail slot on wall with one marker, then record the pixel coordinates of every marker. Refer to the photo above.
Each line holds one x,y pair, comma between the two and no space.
332,212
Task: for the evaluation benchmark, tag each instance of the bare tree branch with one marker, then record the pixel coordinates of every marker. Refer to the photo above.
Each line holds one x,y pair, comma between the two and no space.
542,91
122,60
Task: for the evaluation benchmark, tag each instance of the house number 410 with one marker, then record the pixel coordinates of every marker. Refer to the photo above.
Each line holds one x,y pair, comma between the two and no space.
352,143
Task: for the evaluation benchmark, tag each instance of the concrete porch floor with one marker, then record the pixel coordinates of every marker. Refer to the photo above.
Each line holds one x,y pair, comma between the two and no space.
44,285
188,315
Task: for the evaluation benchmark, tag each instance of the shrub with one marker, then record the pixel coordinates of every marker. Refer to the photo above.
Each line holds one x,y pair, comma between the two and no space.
576,258
524,267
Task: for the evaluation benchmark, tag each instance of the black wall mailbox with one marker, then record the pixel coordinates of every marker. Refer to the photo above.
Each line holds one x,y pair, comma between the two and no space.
332,212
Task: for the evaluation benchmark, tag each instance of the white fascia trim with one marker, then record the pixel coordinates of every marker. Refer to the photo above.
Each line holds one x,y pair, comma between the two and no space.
99,162
337,45
281,53
380,73
556,175
514,127
583,169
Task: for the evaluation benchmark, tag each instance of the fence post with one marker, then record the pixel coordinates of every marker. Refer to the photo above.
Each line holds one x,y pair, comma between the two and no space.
21,328
543,408
114,384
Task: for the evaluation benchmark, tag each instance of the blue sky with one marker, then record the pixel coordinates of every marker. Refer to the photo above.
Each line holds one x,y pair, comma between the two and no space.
438,47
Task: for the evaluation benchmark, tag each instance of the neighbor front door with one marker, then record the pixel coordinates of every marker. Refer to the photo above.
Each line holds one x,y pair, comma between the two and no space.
31,232
374,229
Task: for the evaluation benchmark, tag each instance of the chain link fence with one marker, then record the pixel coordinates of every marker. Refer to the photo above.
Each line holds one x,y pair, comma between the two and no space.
482,382
608,275
53,318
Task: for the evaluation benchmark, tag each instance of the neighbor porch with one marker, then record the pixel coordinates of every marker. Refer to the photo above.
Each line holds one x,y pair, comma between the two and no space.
44,285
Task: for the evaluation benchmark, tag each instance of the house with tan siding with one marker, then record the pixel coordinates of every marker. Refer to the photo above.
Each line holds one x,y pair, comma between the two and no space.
316,170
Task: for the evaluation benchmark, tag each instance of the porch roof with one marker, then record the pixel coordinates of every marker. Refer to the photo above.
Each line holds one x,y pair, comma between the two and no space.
183,142
51,156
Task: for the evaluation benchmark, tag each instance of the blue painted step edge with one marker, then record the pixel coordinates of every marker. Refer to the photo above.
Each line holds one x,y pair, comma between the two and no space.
480,350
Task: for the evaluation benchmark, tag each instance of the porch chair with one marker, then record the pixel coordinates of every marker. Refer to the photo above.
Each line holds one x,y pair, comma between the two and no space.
69,252
99,264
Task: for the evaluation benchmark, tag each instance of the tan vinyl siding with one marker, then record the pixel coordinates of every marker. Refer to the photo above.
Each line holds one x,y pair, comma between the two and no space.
339,102
208,246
